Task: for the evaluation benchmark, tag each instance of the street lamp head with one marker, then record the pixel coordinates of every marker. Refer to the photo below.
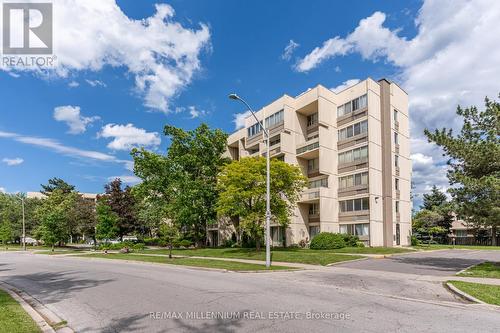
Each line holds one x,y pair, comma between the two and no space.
234,96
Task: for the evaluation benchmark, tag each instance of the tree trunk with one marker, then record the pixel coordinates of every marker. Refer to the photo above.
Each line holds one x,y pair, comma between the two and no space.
170,251
52,247
257,243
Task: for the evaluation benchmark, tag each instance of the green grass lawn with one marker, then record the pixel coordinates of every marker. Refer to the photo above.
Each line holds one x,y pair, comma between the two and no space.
484,270
313,257
465,247
207,263
13,318
17,247
484,292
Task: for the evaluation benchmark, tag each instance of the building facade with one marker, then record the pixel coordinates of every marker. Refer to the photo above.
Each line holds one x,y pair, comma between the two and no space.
354,148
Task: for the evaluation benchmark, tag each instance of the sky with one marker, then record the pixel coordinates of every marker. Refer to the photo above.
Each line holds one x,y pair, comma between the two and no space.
124,69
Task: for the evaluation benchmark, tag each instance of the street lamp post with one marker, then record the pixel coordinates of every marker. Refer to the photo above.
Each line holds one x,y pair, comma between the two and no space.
268,183
24,226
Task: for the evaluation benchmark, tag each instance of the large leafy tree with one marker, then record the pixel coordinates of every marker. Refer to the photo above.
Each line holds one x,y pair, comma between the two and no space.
5,233
11,211
54,215
242,187
184,181
107,222
122,202
84,217
474,164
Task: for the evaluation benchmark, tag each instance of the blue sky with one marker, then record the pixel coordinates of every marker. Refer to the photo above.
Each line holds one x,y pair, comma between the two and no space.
78,121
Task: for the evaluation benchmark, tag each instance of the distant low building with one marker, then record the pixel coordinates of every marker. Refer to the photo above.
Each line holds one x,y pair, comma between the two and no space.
40,195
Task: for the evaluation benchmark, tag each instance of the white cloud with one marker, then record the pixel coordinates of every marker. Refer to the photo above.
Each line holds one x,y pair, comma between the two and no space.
127,179
160,54
330,48
239,119
96,83
12,161
453,59
3,190
73,84
58,147
288,51
72,117
126,137
195,113
344,85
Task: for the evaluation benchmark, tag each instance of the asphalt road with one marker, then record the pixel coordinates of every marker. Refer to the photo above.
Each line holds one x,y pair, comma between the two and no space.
112,296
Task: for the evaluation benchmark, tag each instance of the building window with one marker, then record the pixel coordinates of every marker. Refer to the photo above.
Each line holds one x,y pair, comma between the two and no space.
281,158
274,119
313,231
396,161
254,129
323,182
312,119
395,114
354,205
314,209
397,206
355,104
253,151
353,180
360,229
275,140
353,155
396,184
313,165
396,139
353,130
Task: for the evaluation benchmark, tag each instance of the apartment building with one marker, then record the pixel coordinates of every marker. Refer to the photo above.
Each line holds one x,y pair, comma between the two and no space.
354,148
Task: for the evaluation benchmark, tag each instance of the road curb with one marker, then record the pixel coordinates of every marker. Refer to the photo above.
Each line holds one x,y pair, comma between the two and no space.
43,317
346,261
462,294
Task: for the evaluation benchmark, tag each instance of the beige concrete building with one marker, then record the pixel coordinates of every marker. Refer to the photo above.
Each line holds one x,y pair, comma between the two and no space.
354,148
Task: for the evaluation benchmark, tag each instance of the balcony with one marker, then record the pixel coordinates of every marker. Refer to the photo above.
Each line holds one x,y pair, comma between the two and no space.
310,195
308,149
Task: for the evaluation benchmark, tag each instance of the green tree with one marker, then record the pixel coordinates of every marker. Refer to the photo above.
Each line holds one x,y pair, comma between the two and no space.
436,201
185,180
474,164
84,216
107,222
54,214
57,184
122,202
242,187
169,233
5,233
427,222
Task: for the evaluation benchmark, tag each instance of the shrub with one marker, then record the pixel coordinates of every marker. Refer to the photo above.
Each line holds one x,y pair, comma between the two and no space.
139,247
414,241
350,240
152,241
360,244
327,241
185,243
228,243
